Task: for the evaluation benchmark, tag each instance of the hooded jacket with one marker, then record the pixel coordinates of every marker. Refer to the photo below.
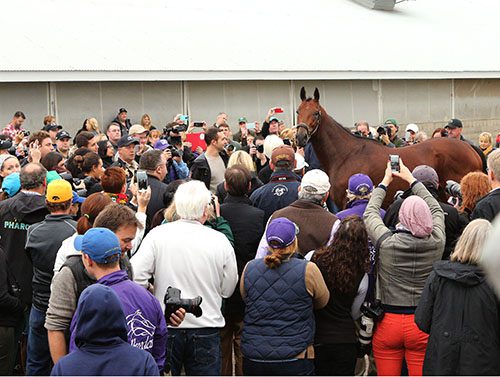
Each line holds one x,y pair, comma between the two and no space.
453,222
17,214
101,338
146,324
404,261
461,313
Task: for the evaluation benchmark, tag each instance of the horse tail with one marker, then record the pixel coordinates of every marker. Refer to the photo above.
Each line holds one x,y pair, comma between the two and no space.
482,156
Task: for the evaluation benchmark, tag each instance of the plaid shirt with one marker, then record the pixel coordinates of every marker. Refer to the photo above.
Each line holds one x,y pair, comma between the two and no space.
11,131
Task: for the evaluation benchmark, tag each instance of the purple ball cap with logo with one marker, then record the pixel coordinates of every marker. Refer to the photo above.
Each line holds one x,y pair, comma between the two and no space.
281,233
161,144
360,185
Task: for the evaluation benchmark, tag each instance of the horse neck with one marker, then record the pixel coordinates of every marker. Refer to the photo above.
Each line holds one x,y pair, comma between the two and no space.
331,143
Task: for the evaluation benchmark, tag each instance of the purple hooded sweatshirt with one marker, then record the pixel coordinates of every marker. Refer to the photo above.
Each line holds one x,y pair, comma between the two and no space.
146,324
356,207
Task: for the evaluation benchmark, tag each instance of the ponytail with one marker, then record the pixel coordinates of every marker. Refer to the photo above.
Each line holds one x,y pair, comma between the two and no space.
274,260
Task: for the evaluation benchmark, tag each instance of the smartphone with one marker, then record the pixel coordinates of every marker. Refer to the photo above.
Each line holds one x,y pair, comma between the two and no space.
394,158
184,118
278,110
198,124
251,126
287,142
142,179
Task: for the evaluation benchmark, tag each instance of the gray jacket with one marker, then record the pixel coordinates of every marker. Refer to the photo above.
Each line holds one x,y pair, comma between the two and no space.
404,261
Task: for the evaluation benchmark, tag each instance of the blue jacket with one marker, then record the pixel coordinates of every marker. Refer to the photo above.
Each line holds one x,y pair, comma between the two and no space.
281,191
279,320
146,326
101,338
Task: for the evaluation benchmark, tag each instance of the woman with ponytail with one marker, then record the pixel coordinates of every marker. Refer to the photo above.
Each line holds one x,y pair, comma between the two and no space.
280,293
90,208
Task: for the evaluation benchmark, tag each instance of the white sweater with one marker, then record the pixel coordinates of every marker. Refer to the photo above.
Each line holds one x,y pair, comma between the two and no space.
193,258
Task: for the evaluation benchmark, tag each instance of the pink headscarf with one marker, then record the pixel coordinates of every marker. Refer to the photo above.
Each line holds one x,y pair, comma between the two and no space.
416,216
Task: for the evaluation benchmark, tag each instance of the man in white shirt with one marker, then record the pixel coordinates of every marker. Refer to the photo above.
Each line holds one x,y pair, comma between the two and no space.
200,262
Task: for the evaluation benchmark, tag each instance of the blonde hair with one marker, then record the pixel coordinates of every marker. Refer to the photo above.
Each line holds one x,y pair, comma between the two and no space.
170,213
144,116
279,255
469,246
241,158
485,135
93,123
289,133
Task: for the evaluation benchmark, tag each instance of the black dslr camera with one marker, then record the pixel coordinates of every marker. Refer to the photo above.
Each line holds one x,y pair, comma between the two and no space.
453,189
384,130
173,301
372,313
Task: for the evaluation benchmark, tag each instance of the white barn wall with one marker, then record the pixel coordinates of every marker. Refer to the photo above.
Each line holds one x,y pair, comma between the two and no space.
429,103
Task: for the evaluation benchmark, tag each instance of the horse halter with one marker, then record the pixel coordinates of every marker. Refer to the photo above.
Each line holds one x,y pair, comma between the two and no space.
317,121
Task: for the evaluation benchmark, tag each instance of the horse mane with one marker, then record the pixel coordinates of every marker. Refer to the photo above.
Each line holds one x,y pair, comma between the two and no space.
345,129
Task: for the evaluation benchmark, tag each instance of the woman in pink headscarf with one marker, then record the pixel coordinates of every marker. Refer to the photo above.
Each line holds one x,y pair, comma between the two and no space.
405,259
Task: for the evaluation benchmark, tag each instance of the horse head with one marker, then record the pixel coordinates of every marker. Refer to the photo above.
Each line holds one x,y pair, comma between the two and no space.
308,117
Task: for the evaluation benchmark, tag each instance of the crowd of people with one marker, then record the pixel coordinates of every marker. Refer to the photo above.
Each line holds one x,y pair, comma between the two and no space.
143,250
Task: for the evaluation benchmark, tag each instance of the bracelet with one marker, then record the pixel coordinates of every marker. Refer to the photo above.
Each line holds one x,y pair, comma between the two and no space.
382,186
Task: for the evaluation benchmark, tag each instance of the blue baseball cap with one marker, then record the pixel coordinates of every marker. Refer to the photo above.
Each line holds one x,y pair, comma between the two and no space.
281,233
99,244
11,184
77,198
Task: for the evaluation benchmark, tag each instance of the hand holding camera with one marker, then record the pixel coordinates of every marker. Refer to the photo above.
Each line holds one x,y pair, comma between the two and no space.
174,302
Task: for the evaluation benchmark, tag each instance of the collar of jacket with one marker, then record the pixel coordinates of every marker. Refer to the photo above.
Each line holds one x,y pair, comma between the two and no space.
237,199
284,176
113,278
306,204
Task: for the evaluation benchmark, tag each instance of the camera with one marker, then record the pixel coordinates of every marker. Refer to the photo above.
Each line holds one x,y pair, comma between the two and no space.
229,147
372,313
142,180
173,301
260,148
287,141
394,158
175,152
384,130
453,189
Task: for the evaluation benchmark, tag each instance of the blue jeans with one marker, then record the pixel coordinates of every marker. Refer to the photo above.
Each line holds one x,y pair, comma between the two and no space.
197,349
39,362
297,367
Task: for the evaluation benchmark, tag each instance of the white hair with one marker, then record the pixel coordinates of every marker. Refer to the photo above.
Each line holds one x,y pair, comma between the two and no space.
191,199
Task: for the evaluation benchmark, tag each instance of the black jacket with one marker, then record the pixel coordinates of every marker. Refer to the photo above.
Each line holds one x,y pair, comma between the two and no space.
247,224
124,129
221,193
461,313
11,307
42,243
159,199
17,214
92,185
453,222
200,170
487,207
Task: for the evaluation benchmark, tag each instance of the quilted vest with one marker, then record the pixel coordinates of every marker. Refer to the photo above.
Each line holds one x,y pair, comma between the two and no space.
279,320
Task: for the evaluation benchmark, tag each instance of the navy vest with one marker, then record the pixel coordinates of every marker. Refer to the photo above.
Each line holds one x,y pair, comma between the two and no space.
279,320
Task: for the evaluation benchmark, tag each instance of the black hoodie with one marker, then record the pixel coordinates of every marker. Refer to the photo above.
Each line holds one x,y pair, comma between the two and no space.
16,215
461,313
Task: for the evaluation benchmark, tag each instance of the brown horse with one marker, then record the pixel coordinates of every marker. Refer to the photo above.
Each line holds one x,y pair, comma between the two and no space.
342,154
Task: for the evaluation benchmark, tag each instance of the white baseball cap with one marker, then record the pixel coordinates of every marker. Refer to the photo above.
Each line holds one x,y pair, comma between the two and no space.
315,182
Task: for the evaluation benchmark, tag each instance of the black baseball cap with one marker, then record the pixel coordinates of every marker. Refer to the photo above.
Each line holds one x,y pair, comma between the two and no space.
63,135
5,142
122,110
454,123
127,140
52,127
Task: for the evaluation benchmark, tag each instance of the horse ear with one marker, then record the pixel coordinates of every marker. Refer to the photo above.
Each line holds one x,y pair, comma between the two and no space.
303,94
316,94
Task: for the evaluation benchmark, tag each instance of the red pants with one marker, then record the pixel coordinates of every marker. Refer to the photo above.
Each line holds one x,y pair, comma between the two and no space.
397,337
